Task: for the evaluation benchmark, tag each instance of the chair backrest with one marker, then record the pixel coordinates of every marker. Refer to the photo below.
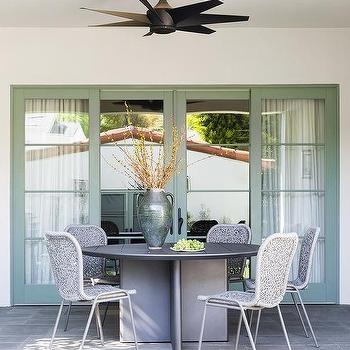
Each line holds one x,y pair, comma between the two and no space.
307,249
231,233
88,236
274,261
110,228
67,264
201,227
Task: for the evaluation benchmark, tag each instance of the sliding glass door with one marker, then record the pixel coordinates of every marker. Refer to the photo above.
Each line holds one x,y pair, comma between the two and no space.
266,156
51,158
215,180
126,118
298,180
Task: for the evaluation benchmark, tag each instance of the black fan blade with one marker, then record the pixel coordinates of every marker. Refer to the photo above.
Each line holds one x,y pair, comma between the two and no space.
122,24
149,33
134,16
180,13
210,19
149,6
196,29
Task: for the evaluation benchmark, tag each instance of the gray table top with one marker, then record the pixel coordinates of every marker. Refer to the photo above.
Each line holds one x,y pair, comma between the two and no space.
139,251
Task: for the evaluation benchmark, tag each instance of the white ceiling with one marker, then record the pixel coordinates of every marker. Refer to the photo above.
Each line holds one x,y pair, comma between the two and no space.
263,13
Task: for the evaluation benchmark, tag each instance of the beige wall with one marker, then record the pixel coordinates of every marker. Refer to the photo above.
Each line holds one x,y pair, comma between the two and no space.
231,56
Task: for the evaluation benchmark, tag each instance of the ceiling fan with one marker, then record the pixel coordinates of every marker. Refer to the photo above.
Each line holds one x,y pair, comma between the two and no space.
164,19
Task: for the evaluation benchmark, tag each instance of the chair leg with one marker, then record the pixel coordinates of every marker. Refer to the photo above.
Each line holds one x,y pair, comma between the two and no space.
202,327
105,314
308,320
257,326
283,327
99,323
67,316
56,324
133,323
92,310
248,329
251,318
238,330
251,315
299,314
244,286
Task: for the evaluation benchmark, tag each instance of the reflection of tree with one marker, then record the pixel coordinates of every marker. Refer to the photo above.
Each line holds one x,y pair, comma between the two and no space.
110,121
221,128
81,118
224,128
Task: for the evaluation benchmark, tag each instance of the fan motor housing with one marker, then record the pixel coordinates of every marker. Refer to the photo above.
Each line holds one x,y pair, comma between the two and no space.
163,24
162,29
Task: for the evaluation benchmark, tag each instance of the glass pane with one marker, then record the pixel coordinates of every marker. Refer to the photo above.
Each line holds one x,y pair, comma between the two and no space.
54,211
293,167
117,116
37,264
293,121
113,174
56,121
57,167
292,212
112,212
226,171
224,122
318,265
318,268
121,124
224,207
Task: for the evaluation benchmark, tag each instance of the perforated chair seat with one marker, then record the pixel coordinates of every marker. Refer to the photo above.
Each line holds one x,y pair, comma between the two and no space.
231,297
93,291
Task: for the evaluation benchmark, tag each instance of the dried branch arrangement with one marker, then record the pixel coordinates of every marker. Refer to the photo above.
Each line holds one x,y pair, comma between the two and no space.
145,164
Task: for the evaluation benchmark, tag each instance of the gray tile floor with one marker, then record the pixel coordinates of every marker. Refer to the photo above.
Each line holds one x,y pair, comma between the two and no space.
29,327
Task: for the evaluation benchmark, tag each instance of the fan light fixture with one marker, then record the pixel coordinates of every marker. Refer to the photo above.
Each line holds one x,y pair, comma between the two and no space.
163,19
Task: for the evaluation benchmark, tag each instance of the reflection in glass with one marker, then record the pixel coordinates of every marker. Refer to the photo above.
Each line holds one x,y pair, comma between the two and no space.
122,122
293,167
292,211
54,211
56,121
224,122
118,115
113,174
217,160
57,167
37,264
217,172
112,213
224,207
295,212
293,121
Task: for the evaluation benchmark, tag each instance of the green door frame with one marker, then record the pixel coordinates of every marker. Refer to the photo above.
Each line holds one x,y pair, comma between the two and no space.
327,292
175,106
22,293
182,95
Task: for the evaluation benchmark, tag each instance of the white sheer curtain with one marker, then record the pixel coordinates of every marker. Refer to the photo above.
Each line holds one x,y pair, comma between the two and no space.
56,176
293,197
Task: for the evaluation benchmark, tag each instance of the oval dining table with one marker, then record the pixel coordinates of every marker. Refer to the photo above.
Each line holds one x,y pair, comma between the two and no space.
167,284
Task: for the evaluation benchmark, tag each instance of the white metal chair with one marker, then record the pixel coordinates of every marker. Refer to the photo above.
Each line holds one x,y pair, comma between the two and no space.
307,249
274,260
93,267
67,266
232,233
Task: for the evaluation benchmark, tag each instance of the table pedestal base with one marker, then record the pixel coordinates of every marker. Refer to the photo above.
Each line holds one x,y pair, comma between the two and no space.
166,307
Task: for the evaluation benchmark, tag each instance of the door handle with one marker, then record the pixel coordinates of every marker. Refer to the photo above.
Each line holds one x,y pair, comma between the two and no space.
180,221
